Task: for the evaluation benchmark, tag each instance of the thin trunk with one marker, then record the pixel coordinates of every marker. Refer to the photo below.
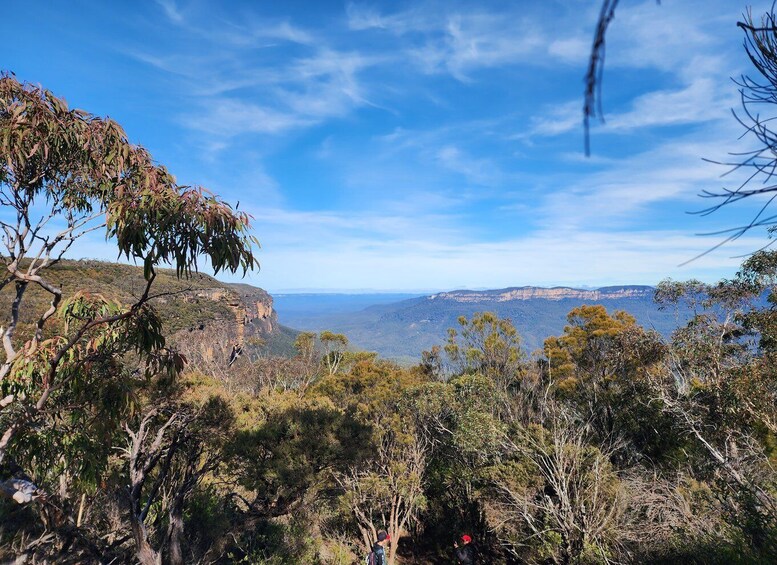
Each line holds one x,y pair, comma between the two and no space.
176,534
176,526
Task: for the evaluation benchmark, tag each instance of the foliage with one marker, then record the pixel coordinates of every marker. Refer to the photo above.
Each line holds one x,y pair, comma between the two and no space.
63,174
558,497
614,447
602,365
485,344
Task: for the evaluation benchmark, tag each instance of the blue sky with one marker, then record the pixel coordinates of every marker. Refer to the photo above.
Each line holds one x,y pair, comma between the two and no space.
420,145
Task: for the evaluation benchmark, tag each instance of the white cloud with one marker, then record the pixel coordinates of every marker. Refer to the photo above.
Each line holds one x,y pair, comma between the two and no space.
558,119
419,19
305,250
284,31
479,40
326,84
657,186
472,41
703,99
457,42
301,93
327,229
572,50
477,171
699,101
418,199
171,10
647,35
228,118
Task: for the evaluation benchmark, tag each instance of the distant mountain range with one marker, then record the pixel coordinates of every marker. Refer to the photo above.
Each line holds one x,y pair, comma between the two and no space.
555,293
401,326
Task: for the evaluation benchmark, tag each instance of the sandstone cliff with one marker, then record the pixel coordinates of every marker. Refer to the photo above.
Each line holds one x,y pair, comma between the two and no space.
533,292
199,309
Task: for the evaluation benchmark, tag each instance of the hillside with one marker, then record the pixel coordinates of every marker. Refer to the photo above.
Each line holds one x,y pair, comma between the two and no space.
200,307
403,329
311,310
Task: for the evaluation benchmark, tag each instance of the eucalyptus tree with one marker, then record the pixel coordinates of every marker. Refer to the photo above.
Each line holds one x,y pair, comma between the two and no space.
489,345
66,174
600,366
721,391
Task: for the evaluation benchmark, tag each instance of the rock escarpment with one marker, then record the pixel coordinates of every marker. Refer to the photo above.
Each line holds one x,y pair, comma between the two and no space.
247,322
195,311
251,309
556,293
256,306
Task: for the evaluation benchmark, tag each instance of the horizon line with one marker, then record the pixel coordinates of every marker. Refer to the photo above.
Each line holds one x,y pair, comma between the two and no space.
367,291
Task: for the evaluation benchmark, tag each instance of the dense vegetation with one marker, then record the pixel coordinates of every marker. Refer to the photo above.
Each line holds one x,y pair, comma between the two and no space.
615,445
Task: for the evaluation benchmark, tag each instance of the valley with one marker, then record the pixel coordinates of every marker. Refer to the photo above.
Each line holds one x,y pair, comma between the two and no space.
401,329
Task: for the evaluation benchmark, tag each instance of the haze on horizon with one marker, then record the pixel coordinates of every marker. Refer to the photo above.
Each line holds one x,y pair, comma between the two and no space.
421,146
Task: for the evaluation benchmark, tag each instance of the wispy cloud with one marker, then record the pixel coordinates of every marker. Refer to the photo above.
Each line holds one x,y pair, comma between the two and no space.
473,41
659,185
457,42
227,118
236,91
703,99
478,171
171,10
310,90
409,260
700,101
283,30
646,35
557,119
361,17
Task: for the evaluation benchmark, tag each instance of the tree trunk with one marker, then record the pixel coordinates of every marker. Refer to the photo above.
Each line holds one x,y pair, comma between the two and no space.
145,553
392,556
175,532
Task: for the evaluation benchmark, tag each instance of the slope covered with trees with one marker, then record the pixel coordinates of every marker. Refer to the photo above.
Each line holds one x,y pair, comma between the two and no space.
613,445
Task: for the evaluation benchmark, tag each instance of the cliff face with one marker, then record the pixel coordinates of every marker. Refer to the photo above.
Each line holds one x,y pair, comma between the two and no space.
257,308
532,293
247,322
251,309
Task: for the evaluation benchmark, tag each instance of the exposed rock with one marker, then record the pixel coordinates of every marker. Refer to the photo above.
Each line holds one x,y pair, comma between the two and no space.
252,322
533,292
258,306
252,308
